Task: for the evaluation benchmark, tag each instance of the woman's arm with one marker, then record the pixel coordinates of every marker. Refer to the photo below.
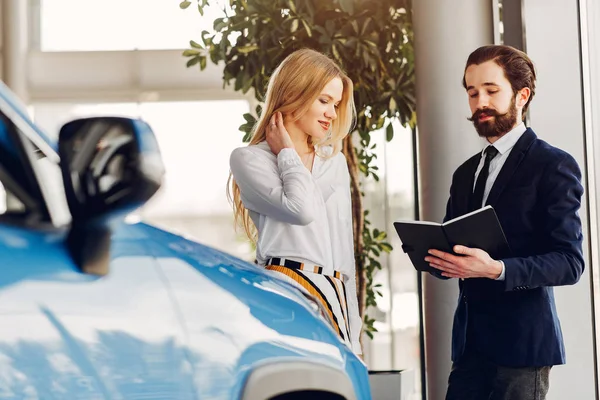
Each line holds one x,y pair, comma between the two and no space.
284,191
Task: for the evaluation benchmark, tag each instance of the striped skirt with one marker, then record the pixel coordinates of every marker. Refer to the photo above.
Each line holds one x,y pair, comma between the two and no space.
329,290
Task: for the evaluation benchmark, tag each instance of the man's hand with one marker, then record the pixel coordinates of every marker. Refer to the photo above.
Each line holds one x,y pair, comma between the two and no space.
470,263
277,136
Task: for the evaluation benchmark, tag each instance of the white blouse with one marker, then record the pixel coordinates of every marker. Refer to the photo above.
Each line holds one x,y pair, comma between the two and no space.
299,213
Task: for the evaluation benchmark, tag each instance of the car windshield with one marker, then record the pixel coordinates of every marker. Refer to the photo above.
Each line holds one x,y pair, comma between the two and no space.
20,196
10,102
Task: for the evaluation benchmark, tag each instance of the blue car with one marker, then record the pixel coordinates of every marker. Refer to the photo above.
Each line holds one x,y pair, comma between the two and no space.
95,307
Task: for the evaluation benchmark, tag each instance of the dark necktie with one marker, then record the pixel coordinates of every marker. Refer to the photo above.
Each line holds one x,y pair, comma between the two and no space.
477,198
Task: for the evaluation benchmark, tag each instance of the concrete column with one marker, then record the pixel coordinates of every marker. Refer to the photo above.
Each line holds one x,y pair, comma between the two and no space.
446,32
15,46
13,17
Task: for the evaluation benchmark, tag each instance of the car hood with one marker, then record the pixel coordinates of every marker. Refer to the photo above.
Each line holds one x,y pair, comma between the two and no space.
238,316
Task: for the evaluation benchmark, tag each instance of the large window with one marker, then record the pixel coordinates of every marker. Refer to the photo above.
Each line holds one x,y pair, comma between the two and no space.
195,139
396,344
89,25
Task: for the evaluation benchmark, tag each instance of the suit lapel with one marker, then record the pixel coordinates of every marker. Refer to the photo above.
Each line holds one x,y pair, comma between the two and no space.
511,165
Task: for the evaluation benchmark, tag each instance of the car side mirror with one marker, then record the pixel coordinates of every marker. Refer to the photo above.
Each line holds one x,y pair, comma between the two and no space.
110,167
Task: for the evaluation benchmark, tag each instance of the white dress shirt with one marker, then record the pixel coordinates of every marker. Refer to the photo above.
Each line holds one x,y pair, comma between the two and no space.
301,214
504,145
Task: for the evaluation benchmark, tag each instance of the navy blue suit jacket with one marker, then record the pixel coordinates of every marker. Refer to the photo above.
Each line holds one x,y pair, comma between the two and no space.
536,196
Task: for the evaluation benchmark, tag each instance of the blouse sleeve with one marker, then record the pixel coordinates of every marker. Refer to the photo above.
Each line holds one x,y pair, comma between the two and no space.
283,191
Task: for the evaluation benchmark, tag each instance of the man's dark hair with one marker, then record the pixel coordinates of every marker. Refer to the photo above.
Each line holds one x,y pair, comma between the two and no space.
518,67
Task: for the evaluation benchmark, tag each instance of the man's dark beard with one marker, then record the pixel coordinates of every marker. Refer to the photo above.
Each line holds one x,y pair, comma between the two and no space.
501,124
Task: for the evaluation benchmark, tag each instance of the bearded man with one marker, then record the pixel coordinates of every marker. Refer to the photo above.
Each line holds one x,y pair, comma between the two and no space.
506,334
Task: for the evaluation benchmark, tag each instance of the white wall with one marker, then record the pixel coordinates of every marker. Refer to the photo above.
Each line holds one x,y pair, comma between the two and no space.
552,41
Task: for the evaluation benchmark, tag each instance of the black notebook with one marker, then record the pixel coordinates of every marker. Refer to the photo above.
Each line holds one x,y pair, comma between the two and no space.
478,229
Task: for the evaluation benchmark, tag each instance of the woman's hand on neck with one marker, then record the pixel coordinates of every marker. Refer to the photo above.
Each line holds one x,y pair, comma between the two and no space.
277,135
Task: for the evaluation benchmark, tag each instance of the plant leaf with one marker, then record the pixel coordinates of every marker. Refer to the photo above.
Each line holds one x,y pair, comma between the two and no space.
294,26
192,61
247,49
386,247
292,5
307,28
190,53
195,45
393,105
219,24
389,132
184,4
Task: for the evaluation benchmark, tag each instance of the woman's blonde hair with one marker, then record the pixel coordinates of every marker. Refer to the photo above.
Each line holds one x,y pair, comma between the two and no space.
293,87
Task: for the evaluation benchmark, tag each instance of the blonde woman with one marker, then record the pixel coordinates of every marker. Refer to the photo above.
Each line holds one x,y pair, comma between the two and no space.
290,188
